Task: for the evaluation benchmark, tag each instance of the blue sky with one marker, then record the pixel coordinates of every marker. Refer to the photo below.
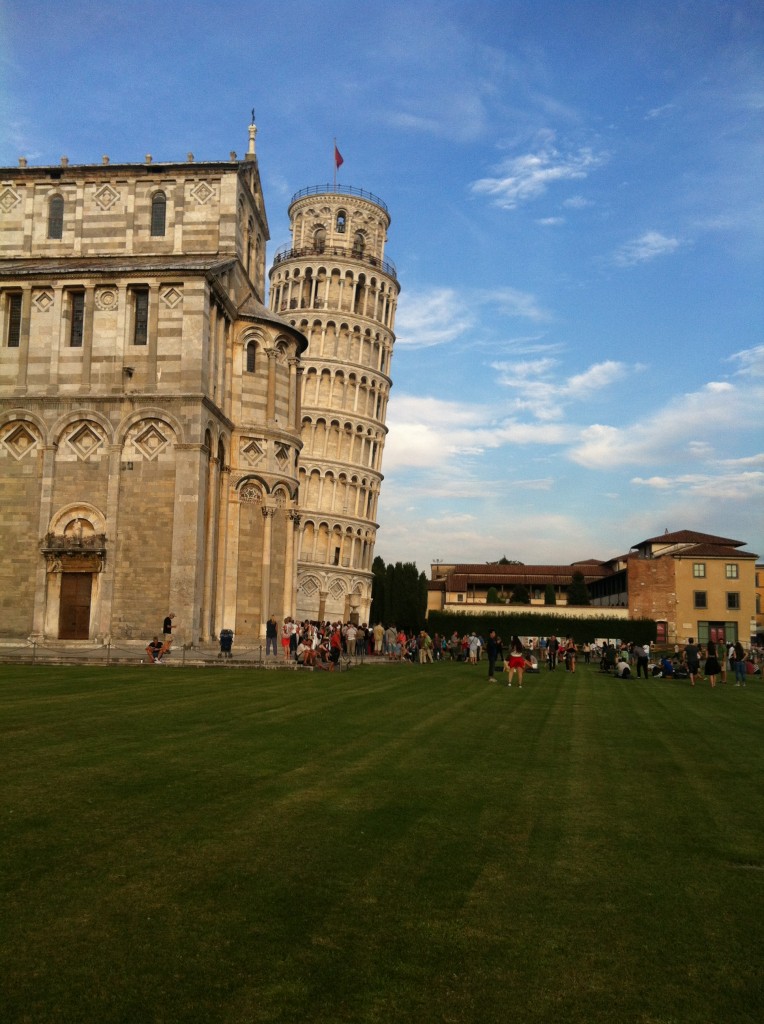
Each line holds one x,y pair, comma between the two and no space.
577,201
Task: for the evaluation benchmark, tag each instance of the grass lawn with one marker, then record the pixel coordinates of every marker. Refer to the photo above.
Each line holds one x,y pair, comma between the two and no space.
394,844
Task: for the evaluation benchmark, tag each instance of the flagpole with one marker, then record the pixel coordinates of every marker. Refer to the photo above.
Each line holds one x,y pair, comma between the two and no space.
334,161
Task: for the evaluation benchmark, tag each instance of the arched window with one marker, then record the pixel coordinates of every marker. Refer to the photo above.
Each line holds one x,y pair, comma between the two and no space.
56,217
358,243
251,350
158,214
341,222
319,239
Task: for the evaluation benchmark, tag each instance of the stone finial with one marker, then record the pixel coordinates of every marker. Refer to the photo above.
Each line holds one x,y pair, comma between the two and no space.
148,158
104,159
22,161
251,147
232,155
190,157
64,161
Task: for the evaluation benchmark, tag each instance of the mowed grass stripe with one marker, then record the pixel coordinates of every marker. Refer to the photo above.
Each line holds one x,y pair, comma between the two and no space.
396,843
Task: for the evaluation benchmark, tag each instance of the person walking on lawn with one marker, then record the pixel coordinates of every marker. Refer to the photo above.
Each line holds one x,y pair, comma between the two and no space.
493,649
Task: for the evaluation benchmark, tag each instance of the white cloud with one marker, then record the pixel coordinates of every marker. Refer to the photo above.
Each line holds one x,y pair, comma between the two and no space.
646,248
691,427
437,316
577,203
524,178
512,302
545,392
550,221
656,112
718,487
434,317
750,361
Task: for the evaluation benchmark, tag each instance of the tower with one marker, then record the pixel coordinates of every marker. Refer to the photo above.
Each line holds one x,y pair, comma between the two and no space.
334,285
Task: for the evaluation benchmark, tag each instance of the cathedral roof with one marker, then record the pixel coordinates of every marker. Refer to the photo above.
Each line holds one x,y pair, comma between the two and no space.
96,265
252,309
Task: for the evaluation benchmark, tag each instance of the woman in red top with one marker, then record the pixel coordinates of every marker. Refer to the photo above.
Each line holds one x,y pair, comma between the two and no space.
515,662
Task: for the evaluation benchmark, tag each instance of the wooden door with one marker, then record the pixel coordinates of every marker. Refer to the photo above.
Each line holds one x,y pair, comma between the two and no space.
74,609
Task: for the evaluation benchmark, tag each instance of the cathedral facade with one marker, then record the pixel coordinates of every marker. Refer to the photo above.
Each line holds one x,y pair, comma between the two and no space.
160,443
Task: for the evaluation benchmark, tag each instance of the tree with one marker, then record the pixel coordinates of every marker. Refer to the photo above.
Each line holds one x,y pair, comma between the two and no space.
550,597
377,590
521,594
578,593
399,595
492,597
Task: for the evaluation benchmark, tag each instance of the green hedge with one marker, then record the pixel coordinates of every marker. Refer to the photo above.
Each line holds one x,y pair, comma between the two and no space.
582,629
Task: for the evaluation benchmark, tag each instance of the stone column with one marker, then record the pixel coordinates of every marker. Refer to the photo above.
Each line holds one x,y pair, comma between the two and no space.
296,548
41,575
265,593
270,406
26,316
228,553
210,543
292,420
112,522
289,574
185,595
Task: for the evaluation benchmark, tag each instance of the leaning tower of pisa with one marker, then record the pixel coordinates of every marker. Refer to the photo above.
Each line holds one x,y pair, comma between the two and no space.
333,283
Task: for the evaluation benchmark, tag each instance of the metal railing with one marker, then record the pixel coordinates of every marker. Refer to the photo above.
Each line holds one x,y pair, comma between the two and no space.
342,252
339,190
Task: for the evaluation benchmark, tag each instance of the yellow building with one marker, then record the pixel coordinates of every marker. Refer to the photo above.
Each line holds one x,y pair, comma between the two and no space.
694,585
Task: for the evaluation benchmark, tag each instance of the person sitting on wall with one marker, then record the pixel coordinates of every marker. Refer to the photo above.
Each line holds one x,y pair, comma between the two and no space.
305,653
156,650
322,657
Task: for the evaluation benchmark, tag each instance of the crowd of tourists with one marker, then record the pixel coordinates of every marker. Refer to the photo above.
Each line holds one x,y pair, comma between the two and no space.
714,662
323,646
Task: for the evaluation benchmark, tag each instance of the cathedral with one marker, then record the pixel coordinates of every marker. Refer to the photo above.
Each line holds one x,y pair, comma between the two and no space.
171,440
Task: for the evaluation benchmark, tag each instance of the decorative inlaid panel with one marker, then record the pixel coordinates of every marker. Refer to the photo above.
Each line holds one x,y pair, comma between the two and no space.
85,440
251,493
151,442
203,193
19,439
106,196
9,198
42,300
252,451
171,296
107,298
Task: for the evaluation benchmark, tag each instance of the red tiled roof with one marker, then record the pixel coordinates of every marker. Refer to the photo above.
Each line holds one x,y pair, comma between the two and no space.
712,551
528,575
690,537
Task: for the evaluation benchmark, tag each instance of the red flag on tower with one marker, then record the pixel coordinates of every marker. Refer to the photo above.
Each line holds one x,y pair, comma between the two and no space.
338,161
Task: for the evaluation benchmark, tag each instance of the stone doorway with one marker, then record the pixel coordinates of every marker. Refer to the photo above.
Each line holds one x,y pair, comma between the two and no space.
74,606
